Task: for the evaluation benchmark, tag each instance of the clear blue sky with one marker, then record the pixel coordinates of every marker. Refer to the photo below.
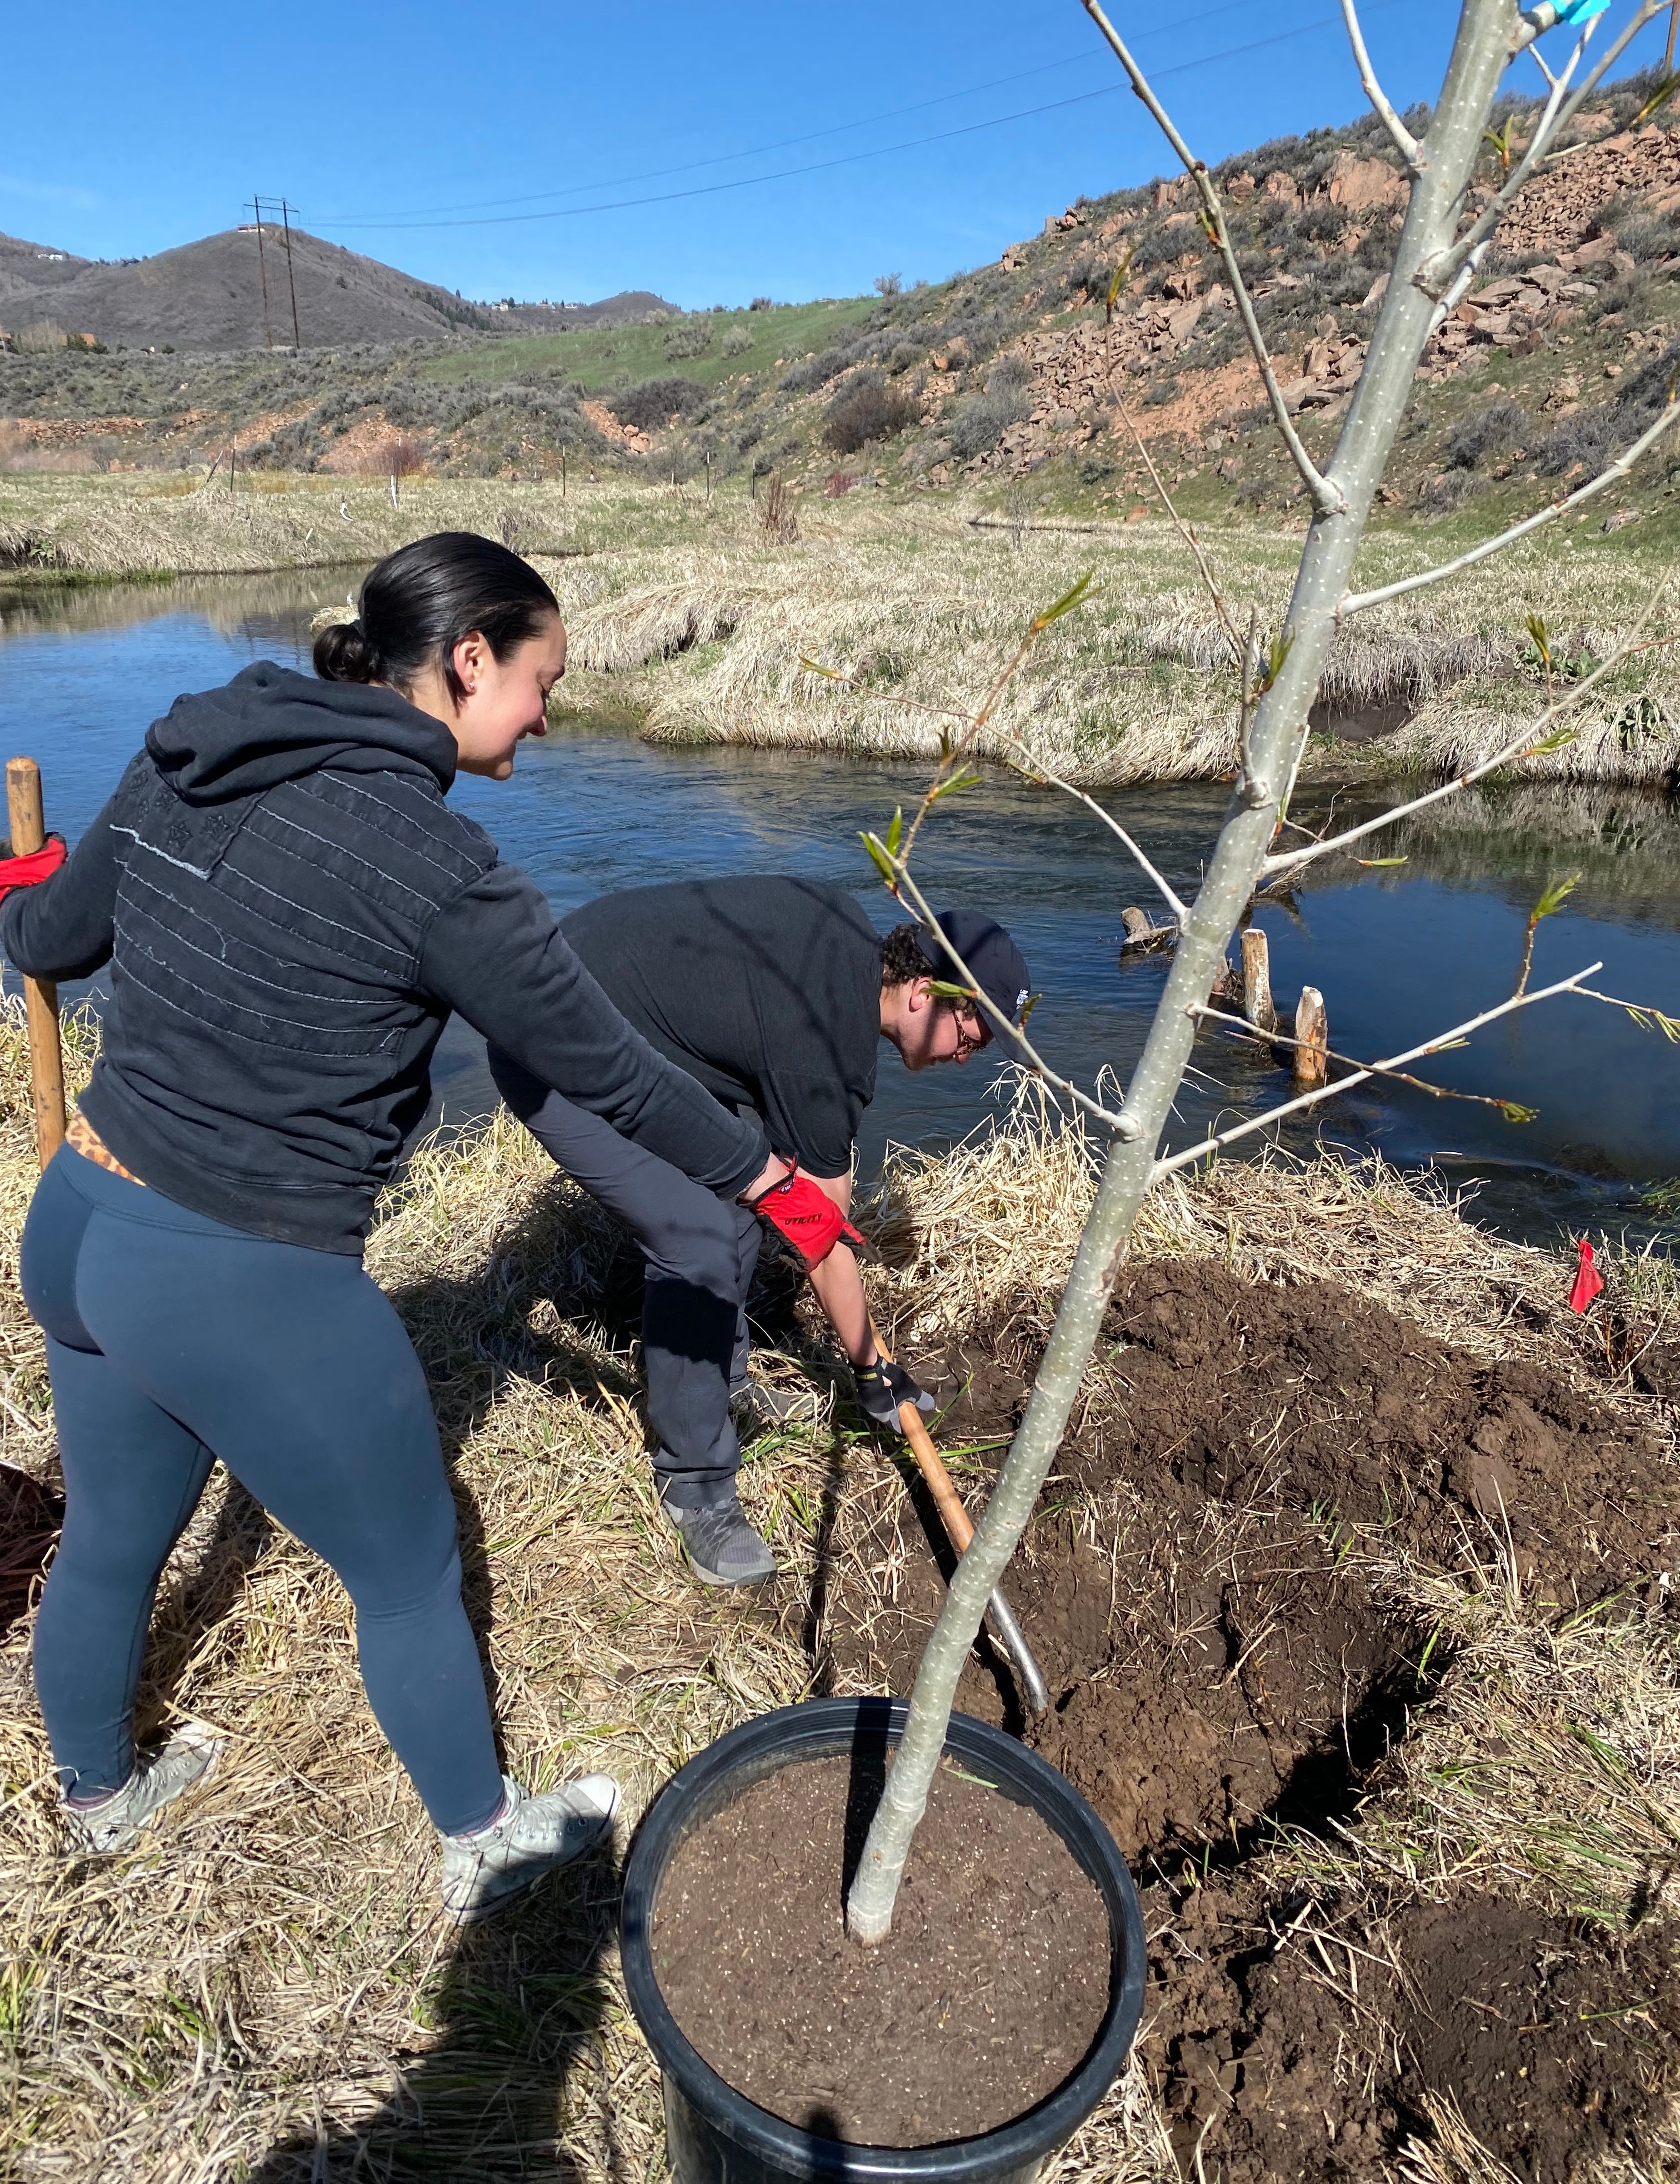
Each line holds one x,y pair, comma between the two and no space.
144,128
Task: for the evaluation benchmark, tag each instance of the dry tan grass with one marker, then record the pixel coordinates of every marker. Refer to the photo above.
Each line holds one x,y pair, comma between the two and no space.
700,623
265,1990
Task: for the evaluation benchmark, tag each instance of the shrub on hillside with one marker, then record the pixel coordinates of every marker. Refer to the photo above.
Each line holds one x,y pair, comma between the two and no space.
864,411
1648,237
689,337
736,342
1009,375
980,422
649,406
1484,432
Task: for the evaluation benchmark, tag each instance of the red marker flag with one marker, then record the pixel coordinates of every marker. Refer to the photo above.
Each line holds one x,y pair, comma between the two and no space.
1589,1281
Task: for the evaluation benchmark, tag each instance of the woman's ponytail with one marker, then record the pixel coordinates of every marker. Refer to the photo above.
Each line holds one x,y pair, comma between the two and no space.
344,653
417,604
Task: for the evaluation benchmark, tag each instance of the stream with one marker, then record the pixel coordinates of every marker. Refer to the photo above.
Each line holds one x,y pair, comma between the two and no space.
1400,951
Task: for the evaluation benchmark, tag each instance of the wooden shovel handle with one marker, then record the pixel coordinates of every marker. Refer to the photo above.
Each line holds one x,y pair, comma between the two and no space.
960,1531
959,1527
41,995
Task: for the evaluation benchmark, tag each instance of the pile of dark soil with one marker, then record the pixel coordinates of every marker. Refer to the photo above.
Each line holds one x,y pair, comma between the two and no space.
1196,1587
1287,2042
1311,1398
1308,1398
1213,1647
1203,1678
982,2000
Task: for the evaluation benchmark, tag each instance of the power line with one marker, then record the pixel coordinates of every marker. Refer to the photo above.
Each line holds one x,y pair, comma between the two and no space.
850,159
781,143
282,205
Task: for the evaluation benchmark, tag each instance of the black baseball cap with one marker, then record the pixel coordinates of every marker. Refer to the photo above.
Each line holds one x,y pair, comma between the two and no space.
999,966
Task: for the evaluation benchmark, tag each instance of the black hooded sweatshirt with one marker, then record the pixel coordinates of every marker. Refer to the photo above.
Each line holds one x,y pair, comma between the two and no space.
291,910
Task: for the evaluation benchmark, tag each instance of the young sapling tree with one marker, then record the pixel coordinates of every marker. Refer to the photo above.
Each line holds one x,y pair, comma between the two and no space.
1442,240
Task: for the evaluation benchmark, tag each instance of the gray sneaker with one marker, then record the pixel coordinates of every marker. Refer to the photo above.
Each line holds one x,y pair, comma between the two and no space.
116,1822
721,1546
535,1835
756,1407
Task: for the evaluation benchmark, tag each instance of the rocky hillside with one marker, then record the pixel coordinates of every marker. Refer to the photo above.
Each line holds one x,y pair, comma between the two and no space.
1015,378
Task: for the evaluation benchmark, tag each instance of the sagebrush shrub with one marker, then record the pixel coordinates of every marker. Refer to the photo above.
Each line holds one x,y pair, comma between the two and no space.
1484,432
648,405
864,411
979,421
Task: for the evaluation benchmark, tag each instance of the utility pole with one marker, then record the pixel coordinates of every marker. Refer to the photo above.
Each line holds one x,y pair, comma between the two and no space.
286,216
263,271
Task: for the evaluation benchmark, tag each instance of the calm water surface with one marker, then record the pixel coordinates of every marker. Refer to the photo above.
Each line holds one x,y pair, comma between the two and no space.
1399,953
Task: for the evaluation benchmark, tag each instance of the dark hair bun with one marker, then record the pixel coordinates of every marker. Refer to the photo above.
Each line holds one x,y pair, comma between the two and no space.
344,654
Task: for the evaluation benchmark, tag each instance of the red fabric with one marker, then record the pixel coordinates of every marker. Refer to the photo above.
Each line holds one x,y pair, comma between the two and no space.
1589,1281
29,872
806,1216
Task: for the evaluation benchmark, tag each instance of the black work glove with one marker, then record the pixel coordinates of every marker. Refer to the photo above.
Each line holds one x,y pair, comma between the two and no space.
882,1387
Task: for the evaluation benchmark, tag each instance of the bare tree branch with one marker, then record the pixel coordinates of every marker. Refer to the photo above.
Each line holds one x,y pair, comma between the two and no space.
1175,1161
1642,1012
1123,1126
1327,497
1405,143
1435,274
1532,739
1187,531
1357,602
1027,764
1240,1029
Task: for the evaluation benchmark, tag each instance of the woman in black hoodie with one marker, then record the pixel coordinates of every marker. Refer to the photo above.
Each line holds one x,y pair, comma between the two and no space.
291,910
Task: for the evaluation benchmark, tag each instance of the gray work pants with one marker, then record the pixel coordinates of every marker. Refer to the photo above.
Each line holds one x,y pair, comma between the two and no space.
698,1251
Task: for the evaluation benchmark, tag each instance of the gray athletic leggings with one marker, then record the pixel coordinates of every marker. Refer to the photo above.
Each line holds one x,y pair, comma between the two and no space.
699,1250
172,1340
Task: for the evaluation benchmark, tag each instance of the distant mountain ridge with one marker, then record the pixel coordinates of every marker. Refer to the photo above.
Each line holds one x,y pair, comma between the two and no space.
209,296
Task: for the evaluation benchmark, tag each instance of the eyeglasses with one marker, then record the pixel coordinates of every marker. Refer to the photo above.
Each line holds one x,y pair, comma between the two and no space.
973,1033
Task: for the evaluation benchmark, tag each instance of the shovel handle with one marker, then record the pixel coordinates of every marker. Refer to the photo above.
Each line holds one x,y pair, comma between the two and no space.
41,995
960,1531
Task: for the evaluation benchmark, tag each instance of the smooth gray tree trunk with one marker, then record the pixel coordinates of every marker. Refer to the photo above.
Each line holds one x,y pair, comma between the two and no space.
1487,37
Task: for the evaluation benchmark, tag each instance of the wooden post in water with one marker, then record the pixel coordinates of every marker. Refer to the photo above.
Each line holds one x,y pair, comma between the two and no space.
1312,1034
41,995
1257,1006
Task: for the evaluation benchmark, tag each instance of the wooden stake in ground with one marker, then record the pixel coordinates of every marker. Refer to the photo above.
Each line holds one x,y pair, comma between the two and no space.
41,995
960,1531
1312,1034
1257,1006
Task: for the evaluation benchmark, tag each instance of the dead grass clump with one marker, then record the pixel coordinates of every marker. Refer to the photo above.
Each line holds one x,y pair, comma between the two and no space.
266,1991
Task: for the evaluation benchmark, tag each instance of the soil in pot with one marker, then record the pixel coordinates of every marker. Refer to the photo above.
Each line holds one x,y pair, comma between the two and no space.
986,1996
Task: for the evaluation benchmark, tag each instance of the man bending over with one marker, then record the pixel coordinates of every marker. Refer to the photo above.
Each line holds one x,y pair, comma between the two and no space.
776,994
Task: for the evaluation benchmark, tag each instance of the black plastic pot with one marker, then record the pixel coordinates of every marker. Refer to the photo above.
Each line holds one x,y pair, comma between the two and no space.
715,2134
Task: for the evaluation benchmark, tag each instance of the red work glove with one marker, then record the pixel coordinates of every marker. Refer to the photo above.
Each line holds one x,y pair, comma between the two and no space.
29,872
806,1217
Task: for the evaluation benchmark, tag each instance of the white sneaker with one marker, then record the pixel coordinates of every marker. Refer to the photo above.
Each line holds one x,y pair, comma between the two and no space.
116,1822
533,1836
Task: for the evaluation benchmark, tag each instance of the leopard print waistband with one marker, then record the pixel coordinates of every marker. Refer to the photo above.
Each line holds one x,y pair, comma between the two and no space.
81,1137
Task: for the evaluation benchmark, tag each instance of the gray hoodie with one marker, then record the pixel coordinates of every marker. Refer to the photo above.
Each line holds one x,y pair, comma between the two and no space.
291,910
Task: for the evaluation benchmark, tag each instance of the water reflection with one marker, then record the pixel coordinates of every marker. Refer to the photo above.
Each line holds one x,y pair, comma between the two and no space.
1400,951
